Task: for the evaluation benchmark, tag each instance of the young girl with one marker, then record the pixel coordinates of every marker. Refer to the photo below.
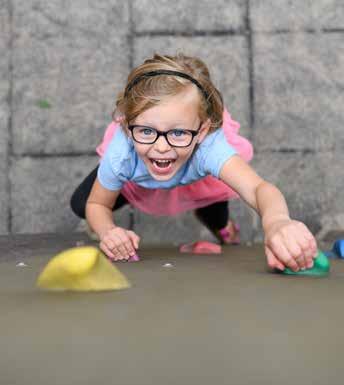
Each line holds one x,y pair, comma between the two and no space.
173,147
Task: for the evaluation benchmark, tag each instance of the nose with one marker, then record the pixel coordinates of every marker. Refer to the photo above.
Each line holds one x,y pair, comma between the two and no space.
161,145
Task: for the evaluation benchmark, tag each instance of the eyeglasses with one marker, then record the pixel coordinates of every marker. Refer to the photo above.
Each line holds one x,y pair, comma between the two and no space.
176,138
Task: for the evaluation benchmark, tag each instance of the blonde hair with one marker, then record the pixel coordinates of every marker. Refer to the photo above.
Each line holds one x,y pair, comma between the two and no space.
150,91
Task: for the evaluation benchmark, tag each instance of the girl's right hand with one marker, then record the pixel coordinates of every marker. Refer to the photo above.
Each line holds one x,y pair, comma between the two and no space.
119,244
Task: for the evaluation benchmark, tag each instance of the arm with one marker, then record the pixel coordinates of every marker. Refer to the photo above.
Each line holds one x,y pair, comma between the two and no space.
99,208
116,242
287,242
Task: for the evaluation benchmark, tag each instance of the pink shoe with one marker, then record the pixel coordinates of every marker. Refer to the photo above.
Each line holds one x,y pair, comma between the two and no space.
201,247
230,235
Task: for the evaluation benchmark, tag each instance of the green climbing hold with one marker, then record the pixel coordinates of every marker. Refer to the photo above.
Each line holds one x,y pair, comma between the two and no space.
320,268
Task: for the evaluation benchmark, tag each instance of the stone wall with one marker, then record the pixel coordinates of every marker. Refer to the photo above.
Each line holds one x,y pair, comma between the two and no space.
278,63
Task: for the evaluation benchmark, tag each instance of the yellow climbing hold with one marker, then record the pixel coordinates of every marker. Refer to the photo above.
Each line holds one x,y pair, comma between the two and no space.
81,269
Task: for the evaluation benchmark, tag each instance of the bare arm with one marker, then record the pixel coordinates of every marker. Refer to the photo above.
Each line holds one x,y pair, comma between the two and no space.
287,242
262,196
116,242
99,208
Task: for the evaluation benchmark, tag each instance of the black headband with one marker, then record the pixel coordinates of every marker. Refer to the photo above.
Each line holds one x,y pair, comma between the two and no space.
166,72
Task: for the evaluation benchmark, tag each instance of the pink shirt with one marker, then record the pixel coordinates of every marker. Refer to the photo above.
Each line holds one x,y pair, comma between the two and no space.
182,198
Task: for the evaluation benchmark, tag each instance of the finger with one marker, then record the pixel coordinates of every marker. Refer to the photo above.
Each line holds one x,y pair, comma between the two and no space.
109,244
273,262
128,242
134,238
296,251
293,242
301,261
308,244
118,254
112,245
114,242
129,247
310,238
107,251
121,247
308,253
283,255
126,245
114,250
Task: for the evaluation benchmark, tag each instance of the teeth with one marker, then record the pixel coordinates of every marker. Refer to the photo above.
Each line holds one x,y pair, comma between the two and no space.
162,162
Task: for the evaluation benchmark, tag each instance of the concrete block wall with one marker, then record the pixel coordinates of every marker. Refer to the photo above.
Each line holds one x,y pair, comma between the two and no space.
278,63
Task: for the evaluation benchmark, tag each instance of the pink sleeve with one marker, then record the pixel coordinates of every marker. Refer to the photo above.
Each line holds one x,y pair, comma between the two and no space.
230,124
241,144
109,133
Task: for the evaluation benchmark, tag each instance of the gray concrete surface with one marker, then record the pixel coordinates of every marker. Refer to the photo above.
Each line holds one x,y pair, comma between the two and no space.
299,99
206,320
294,15
188,16
278,63
5,86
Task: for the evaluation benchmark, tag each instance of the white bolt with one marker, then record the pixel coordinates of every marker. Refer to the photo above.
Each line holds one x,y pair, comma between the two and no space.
168,265
21,264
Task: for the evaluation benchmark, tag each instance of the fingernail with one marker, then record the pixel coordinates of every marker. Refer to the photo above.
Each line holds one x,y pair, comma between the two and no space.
303,268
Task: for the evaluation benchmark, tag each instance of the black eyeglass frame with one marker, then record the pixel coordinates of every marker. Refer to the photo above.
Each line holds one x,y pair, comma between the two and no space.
194,133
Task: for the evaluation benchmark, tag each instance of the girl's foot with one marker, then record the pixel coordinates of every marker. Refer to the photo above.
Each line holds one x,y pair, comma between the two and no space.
229,235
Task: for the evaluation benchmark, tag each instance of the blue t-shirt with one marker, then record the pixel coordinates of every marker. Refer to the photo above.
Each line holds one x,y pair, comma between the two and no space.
121,163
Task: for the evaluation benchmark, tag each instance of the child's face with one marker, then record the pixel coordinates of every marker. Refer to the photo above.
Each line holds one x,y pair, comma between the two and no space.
178,112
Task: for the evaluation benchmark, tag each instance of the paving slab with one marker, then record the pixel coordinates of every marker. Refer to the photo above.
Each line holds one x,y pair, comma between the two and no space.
188,16
69,62
293,15
42,189
298,94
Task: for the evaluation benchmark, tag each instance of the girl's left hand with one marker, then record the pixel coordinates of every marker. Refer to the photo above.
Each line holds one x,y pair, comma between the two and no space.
289,243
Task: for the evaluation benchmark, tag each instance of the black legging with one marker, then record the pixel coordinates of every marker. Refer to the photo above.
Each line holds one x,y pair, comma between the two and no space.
214,216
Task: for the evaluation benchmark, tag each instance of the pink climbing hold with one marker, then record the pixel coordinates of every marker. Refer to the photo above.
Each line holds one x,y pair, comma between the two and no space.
201,247
134,258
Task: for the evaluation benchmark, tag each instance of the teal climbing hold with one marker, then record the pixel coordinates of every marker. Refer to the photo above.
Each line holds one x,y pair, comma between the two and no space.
321,267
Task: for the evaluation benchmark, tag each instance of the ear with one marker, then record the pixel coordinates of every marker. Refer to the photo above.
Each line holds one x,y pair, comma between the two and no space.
204,130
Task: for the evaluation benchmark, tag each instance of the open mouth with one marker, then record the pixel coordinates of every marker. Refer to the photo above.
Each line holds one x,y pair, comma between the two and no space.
162,166
162,163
